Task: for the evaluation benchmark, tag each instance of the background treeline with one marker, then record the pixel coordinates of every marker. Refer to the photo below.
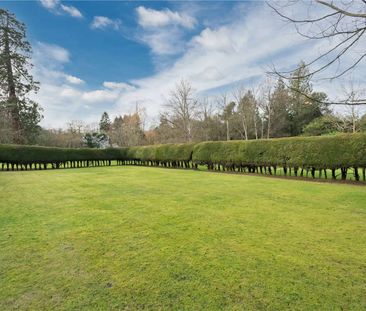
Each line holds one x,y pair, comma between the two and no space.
298,156
273,109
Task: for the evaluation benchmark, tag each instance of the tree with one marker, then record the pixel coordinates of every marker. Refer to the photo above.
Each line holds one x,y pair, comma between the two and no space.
305,105
324,125
128,130
15,80
363,123
105,123
209,126
96,140
182,109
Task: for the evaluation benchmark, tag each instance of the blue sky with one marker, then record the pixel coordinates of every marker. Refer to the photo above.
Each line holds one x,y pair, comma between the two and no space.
92,56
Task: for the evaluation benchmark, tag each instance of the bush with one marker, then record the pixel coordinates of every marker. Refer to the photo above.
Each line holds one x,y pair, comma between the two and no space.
326,152
322,126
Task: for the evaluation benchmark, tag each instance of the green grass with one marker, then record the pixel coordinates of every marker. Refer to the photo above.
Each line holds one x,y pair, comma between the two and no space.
148,238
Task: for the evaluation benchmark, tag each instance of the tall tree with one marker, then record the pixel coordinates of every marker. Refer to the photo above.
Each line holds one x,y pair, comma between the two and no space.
16,82
280,106
306,105
105,123
182,109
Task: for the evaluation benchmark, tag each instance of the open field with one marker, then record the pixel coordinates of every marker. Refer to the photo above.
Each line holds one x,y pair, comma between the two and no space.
131,238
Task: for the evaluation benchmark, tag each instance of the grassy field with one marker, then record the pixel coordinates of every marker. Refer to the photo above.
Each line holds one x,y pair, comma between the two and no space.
149,238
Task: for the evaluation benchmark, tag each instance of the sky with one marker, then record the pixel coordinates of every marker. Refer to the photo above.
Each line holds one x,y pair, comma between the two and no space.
95,56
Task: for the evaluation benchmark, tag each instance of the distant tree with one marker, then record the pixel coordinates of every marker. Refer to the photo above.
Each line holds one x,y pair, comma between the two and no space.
305,105
209,126
128,130
228,116
105,122
182,109
75,126
96,140
324,125
6,134
363,123
16,82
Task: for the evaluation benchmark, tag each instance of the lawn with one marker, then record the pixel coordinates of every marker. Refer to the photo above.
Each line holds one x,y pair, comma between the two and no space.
128,238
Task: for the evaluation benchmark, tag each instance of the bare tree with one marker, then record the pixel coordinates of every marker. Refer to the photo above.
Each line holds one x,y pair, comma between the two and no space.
76,126
342,23
265,103
182,108
352,94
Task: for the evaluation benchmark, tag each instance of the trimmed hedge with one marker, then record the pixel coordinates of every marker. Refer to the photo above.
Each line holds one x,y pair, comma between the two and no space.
304,153
14,157
298,155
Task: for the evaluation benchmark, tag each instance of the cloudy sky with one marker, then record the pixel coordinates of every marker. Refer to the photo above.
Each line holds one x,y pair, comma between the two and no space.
95,56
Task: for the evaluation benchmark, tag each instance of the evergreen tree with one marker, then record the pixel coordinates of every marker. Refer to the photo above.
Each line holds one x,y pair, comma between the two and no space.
105,122
15,80
306,105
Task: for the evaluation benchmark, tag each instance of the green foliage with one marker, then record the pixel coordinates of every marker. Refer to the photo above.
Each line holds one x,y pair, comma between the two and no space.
305,104
17,81
96,140
322,126
105,123
363,123
322,152
35,154
345,150
167,152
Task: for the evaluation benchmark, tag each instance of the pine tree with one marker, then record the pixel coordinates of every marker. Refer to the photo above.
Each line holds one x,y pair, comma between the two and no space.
15,80
306,105
105,122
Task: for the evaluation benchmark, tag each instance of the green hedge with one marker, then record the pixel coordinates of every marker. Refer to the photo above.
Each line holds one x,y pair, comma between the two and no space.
332,152
34,154
167,152
309,153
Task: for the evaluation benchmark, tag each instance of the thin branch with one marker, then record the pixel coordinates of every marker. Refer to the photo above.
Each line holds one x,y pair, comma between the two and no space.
339,10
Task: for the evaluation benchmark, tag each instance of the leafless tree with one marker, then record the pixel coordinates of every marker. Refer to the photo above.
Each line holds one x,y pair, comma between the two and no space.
266,103
182,108
352,93
76,126
342,23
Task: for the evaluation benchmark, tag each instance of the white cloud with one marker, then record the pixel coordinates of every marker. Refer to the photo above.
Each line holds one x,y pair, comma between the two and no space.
102,22
56,7
71,10
74,80
167,42
153,18
50,4
99,96
216,40
163,31
52,52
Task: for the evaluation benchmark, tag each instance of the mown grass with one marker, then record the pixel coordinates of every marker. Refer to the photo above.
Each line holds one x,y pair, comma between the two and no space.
147,238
